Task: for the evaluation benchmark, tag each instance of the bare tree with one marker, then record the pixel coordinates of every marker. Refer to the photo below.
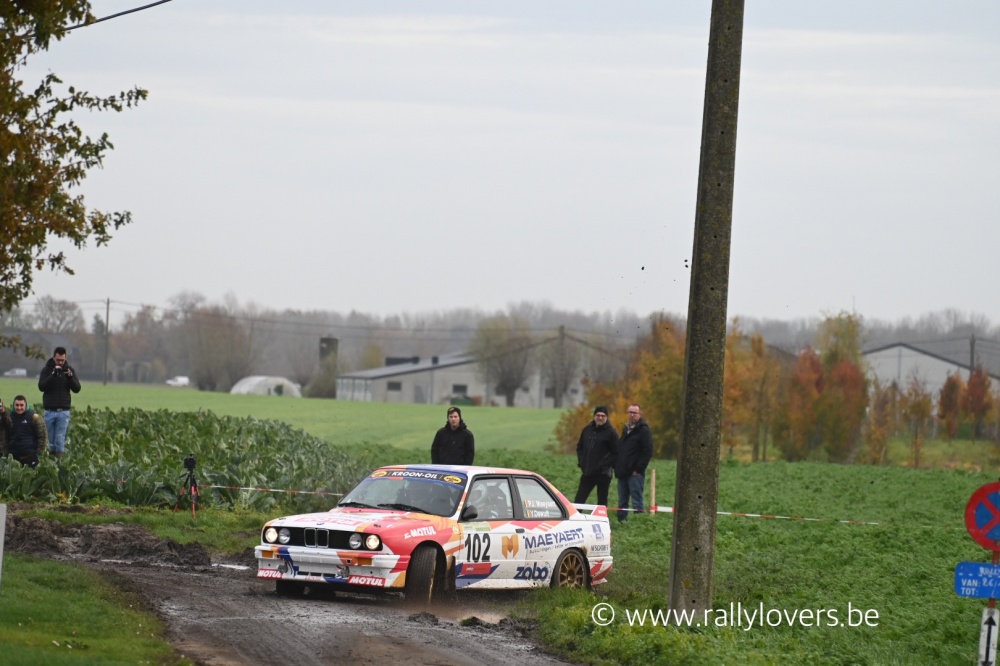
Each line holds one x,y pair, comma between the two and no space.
559,360
502,347
56,316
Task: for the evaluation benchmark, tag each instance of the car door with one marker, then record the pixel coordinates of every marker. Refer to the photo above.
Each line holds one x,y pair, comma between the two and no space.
491,554
547,532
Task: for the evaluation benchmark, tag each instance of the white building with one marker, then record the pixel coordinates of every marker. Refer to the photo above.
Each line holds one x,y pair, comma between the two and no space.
932,361
444,380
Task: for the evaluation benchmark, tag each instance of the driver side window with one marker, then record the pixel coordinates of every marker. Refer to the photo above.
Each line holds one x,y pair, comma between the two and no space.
492,499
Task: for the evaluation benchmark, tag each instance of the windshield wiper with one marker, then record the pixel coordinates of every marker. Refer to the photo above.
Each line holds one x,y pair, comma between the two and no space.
404,507
359,505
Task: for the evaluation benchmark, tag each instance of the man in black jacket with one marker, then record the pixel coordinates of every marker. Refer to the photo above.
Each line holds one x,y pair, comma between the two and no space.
453,444
635,449
595,455
25,433
57,380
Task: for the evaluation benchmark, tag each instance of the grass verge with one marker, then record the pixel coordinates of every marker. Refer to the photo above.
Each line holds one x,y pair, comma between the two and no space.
53,614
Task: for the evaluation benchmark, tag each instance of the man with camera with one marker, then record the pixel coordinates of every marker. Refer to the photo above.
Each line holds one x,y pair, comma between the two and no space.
57,380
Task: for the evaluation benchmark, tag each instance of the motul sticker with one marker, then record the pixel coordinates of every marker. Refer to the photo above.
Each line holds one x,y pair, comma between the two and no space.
268,573
372,581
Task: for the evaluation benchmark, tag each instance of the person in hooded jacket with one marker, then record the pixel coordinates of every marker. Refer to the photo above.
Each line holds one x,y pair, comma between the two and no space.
595,455
453,444
635,449
26,436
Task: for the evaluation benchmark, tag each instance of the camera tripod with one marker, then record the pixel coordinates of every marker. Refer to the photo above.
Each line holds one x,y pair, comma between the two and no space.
190,488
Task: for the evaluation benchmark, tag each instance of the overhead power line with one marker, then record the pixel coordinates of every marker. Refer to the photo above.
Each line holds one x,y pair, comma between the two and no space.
108,18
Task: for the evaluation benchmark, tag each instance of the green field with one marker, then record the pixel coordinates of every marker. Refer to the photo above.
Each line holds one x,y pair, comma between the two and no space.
337,421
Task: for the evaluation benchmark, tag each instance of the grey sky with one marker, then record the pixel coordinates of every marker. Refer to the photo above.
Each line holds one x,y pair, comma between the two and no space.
410,156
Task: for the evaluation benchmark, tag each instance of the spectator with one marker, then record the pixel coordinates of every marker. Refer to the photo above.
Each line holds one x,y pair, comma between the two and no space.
595,455
26,436
4,429
453,444
56,381
635,449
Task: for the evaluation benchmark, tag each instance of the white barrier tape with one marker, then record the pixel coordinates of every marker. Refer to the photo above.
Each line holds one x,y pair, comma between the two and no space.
279,490
670,509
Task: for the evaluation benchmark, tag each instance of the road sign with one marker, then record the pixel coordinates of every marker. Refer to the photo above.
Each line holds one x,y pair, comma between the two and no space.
982,516
988,638
977,579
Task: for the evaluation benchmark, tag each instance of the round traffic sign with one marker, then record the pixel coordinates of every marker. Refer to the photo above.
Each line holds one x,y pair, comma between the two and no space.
982,516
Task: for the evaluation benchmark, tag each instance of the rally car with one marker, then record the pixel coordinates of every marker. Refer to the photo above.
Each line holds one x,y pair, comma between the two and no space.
423,529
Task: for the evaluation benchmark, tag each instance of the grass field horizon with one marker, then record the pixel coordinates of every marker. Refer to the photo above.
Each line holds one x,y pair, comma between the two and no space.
340,422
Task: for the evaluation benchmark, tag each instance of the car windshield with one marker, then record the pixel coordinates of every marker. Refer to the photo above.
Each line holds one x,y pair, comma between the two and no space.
436,493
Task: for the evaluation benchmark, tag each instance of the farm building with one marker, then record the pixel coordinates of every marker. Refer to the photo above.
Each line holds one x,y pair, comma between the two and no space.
452,379
932,361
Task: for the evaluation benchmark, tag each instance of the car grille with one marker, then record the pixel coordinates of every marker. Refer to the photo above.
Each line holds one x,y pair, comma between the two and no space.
311,537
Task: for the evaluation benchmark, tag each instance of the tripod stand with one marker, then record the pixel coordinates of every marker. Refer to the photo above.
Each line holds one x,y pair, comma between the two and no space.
190,488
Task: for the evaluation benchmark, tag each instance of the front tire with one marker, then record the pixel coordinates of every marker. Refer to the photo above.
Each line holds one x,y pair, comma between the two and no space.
571,571
286,588
420,576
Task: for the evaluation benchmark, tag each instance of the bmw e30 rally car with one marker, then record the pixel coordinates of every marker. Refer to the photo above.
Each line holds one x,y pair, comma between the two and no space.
422,529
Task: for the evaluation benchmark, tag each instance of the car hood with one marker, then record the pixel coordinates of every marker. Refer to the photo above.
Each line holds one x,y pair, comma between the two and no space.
360,519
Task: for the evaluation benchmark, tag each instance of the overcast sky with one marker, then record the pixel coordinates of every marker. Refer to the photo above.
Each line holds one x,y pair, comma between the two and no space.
393,157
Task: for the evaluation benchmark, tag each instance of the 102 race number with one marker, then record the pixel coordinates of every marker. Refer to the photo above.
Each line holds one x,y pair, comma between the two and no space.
477,547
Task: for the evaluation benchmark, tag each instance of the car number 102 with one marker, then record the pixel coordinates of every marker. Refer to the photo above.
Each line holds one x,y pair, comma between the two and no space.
477,547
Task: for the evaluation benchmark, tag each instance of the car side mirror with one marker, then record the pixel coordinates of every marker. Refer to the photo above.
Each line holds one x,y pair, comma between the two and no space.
469,513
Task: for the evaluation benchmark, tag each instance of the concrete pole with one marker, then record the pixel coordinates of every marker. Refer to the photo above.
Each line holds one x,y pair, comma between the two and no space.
696,496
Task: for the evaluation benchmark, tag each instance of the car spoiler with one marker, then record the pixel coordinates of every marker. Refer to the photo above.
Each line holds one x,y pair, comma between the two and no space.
596,510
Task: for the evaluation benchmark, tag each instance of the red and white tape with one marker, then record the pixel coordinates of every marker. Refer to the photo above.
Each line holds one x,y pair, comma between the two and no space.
279,490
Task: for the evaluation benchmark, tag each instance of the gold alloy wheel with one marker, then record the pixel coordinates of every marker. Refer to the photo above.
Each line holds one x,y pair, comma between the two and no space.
571,570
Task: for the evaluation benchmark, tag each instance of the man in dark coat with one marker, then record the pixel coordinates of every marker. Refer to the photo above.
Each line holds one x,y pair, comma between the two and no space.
595,455
25,431
635,449
57,382
453,444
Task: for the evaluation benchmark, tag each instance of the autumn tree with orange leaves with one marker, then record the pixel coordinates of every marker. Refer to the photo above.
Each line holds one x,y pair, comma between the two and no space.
977,400
841,409
795,425
916,405
949,410
883,401
737,388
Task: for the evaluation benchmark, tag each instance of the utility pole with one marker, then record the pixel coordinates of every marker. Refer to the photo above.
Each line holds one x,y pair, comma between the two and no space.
107,334
697,492
972,354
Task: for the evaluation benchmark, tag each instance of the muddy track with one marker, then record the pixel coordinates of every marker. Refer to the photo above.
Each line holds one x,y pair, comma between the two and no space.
220,614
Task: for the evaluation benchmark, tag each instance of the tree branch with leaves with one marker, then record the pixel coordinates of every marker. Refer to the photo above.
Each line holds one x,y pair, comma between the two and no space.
44,153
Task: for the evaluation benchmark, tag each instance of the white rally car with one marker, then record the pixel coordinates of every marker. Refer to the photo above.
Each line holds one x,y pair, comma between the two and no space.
427,528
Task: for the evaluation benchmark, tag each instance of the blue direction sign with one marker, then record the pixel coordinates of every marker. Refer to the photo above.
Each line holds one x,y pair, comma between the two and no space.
977,579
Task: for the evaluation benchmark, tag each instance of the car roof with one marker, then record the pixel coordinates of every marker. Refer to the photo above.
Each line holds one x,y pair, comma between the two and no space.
469,470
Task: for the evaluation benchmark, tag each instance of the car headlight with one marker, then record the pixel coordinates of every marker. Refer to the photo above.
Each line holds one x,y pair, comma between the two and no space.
354,541
284,535
372,542
270,535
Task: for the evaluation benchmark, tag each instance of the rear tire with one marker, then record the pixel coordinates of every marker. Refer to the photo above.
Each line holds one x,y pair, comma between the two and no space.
420,575
571,571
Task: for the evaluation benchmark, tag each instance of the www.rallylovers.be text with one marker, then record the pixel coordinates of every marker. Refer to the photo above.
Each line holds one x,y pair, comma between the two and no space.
748,617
